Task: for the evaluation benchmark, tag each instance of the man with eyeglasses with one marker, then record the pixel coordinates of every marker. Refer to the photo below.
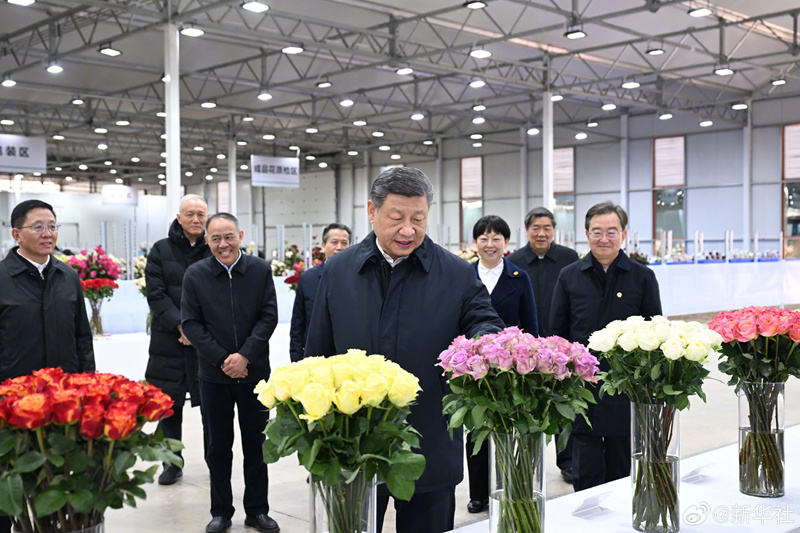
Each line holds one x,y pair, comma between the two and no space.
604,286
43,320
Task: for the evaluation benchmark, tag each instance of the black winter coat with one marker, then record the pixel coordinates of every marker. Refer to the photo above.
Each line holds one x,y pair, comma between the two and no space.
171,366
231,313
512,298
301,311
543,274
433,297
43,323
582,305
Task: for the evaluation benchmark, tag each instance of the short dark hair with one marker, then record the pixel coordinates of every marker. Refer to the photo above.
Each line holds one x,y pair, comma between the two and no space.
537,212
335,225
606,208
491,223
226,216
21,210
405,181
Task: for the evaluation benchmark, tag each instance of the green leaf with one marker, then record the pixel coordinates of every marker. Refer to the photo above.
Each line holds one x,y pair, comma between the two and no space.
81,501
57,460
402,489
563,437
7,442
29,462
311,456
669,390
124,461
565,410
270,452
78,461
50,501
408,465
457,419
478,415
11,495
655,372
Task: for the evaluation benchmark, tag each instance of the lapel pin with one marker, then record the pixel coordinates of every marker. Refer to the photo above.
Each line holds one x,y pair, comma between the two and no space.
516,273
619,295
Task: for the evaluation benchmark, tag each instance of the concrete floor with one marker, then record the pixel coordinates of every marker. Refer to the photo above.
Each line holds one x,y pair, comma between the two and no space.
183,507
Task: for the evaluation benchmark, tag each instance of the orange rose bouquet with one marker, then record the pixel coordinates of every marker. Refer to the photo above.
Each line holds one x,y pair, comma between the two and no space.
68,443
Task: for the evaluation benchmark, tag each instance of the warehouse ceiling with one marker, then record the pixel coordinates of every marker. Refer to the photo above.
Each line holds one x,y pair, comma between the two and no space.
354,50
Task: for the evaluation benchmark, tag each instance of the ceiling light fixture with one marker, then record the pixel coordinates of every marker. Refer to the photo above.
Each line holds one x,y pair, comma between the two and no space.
189,30
247,118
474,4
209,104
739,107
83,167
698,12
268,137
405,70
666,115
135,159
395,156
609,107
209,177
778,80
68,178
57,169
346,102
533,131
654,49
198,148
213,169
114,171
479,52
6,122
384,148
478,119
574,31
294,147
8,82
477,145
24,3
477,83
377,134
478,106
188,173
244,167
706,123
293,49
723,69
323,164
264,95
220,156
108,50
162,182
241,143
108,163
417,115
58,137
359,123
255,7
102,146
581,136
118,180
123,122
53,67
324,84
476,136
101,131
591,123
556,98
312,129
161,114
630,84
352,152
427,142
310,157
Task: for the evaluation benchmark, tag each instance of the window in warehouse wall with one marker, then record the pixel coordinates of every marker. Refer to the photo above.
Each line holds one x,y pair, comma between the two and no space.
471,196
669,193
564,189
791,190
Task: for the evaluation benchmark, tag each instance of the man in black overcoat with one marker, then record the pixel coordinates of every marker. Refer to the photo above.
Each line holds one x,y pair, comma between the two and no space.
605,285
398,294
172,365
542,259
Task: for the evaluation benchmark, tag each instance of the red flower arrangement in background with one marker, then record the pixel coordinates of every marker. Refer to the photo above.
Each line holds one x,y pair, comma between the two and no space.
68,441
97,271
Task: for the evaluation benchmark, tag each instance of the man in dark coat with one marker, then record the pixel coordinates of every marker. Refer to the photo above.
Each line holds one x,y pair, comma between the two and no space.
43,320
398,294
335,238
543,260
229,311
173,361
605,285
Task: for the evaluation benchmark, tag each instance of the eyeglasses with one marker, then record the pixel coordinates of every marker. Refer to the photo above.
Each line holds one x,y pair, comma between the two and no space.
611,234
39,228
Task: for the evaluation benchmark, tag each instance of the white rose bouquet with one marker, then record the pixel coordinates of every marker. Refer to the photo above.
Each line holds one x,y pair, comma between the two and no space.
658,364
345,415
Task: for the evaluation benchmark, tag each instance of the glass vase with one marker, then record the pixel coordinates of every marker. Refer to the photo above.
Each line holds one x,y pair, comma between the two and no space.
655,467
96,321
761,453
349,506
516,477
97,528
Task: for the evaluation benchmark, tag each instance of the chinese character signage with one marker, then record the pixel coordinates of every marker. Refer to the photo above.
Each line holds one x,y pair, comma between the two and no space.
275,171
22,154
119,195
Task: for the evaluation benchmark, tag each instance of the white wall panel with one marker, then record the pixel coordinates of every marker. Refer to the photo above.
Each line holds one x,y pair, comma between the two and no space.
597,168
501,175
640,218
767,154
640,164
714,158
767,201
714,210
774,112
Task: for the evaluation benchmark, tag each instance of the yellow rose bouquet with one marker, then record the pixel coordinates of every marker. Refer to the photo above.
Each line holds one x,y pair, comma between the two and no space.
346,417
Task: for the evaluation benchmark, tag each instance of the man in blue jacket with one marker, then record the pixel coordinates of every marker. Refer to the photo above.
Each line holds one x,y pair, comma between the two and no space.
605,285
335,238
228,313
398,294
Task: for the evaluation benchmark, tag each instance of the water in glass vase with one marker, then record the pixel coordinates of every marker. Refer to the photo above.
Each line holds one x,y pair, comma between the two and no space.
655,503
520,516
761,463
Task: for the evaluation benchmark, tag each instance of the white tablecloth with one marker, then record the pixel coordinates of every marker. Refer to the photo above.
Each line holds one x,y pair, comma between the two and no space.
709,497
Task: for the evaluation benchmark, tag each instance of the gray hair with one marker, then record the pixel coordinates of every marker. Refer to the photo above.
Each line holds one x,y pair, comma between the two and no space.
606,208
189,197
538,212
226,216
405,181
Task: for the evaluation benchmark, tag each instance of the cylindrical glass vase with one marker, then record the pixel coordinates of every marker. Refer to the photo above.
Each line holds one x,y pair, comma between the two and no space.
516,490
96,321
349,506
97,528
761,453
655,467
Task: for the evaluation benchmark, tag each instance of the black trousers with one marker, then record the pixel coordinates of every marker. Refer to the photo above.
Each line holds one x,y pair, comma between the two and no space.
478,468
218,402
172,427
598,460
564,457
429,512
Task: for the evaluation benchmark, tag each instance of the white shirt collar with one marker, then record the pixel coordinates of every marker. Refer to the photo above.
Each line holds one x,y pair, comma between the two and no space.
39,267
392,262
490,276
496,271
230,268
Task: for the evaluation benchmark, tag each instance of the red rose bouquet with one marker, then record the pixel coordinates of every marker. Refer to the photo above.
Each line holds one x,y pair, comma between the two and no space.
98,271
68,443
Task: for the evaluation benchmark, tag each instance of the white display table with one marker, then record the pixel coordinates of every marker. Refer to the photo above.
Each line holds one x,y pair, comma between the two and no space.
709,497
